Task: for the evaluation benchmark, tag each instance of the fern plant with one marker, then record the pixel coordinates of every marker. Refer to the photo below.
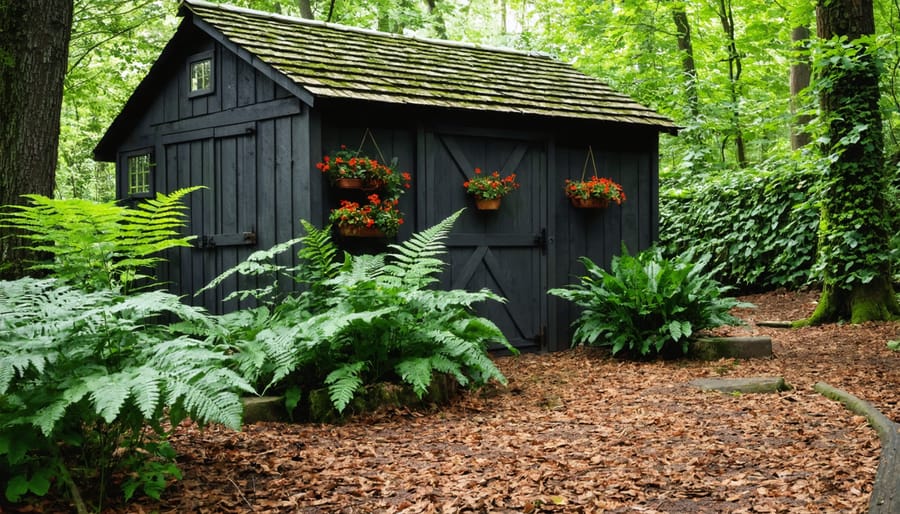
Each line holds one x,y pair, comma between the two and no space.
100,245
647,304
82,373
371,318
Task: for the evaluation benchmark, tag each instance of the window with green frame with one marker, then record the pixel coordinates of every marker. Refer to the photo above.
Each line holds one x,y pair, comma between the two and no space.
138,169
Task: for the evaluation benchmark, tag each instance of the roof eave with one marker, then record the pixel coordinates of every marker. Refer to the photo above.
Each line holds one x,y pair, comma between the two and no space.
106,148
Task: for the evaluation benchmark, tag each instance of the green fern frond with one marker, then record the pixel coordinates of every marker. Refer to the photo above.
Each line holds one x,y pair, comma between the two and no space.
442,300
362,268
100,245
200,378
145,388
6,375
343,383
46,418
417,373
109,394
416,262
258,263
319,256
442,364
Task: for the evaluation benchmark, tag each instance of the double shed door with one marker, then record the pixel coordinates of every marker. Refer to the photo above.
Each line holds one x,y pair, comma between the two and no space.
222,216
504,250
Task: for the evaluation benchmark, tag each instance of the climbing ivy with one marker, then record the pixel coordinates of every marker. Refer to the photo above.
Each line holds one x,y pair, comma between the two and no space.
855,231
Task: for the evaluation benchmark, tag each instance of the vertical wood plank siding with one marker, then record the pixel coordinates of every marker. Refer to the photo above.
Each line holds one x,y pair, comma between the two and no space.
253,145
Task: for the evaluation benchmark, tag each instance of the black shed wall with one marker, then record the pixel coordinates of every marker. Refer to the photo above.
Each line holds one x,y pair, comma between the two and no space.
253,145
533,243
248,144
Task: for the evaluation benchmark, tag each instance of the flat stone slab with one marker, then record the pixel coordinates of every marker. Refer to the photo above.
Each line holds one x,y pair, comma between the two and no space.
714,348
264,408
742,385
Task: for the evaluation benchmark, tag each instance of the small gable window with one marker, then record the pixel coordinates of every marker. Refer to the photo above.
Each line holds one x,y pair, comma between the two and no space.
200,74
139,166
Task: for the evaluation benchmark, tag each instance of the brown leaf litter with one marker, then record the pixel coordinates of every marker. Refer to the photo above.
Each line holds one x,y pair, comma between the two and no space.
577,431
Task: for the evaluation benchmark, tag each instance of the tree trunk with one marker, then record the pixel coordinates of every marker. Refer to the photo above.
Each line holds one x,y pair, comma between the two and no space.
686,48
437,16
854,232
305,9
726,16
34,46
800,77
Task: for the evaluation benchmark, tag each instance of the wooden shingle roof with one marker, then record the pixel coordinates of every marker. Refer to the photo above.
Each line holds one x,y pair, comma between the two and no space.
334,61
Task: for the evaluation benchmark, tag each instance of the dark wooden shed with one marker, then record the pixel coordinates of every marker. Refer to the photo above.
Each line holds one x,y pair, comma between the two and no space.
246,103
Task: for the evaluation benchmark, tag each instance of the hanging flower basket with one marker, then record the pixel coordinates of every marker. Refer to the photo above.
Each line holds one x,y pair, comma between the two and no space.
355,220
487,204
349,183
359,231
595,193
488,190
349,169
589,203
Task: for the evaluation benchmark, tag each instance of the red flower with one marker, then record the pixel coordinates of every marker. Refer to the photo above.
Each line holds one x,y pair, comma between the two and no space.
492,186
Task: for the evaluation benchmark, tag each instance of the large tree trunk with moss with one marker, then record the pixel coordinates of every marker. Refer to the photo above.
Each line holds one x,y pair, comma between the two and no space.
34,46
854,231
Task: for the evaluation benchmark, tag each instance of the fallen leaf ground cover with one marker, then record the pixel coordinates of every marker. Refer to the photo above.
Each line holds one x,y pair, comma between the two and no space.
578,431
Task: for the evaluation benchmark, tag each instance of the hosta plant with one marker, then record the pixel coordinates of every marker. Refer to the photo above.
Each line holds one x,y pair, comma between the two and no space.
647,304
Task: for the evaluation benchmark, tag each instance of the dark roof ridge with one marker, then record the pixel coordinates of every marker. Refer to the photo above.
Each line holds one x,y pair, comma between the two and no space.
360,30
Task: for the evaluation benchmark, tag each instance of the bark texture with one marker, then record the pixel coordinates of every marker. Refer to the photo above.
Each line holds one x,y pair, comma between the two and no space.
735,68
686,47
854,230
34,46
800,78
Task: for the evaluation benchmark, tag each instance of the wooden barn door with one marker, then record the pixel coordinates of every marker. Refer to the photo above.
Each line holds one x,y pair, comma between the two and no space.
222,216
503,250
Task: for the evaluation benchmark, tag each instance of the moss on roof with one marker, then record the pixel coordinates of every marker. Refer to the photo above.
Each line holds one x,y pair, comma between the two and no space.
335,61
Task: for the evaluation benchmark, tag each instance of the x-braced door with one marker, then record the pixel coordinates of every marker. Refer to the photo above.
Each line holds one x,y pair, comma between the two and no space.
503,250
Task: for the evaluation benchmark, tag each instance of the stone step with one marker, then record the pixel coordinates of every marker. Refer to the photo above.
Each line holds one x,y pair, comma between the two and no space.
714,348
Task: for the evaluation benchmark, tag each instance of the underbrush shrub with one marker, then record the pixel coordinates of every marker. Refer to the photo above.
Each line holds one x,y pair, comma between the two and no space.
92,377
647,305
759,226
362,320
96,245
89,380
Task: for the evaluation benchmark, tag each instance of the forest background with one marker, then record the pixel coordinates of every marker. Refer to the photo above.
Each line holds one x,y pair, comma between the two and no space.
740,181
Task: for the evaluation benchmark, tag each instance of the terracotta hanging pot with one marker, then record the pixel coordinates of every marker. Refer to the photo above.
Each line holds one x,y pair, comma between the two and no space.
349,183
358,231
487,204
373,185
589,203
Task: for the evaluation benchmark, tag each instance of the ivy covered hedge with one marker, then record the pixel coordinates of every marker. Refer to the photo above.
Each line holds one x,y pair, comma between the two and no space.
761,227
